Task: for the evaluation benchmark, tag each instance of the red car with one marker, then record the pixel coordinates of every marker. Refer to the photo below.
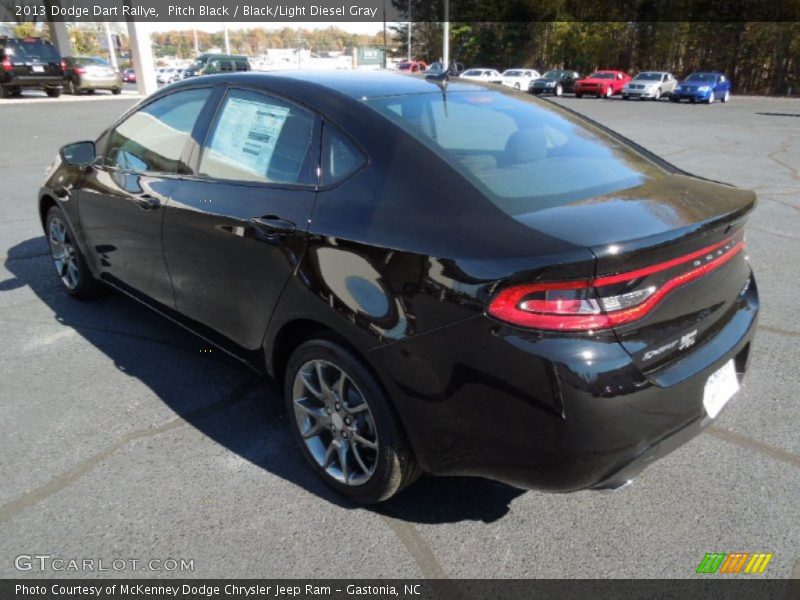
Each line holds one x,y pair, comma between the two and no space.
602,84
129,76
413,66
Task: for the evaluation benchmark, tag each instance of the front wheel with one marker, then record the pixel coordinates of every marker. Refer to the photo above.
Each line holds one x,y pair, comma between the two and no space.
711,98
559,90
345,423
67,258
725,97
517,87
608,92
657,95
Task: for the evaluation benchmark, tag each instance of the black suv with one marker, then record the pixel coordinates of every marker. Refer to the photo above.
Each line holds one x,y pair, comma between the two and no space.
29,63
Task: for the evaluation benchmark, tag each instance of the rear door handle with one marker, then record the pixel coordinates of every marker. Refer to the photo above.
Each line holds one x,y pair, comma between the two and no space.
272,225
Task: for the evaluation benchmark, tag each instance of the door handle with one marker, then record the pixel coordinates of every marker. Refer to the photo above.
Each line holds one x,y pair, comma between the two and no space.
147,202
272,225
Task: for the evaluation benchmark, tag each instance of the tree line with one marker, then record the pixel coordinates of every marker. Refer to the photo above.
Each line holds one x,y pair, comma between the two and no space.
759,57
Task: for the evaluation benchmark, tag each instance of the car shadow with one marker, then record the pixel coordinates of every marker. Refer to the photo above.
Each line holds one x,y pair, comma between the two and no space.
249,419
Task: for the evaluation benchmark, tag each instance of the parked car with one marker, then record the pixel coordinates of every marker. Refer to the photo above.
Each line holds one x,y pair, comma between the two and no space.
88,74
437,69
29,63
481,74
602,84
165,74
519,79
588,308
555,82
650,85
209,64
413,66
703,87
129,76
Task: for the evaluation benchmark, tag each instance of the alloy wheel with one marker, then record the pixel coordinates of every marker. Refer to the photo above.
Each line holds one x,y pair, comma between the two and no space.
711,98
559,90
63,252
335,422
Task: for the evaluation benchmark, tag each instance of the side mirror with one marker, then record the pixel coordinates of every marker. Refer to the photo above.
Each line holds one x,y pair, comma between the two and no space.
79,154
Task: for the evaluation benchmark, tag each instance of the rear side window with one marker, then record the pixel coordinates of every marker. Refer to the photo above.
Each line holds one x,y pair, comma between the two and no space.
153,138
340,157
523,156
259,138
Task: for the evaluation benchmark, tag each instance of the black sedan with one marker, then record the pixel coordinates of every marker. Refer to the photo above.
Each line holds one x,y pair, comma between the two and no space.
443,278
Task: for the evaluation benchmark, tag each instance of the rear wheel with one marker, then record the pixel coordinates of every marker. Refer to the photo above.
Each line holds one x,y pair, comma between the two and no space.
53,92
725,97
71,89
116,91
345,424
67,258
5,92
577,95
90,91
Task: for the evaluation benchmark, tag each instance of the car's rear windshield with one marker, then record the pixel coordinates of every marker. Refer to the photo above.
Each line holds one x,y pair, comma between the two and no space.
649,77
31,50
704,77
601,76
83,61
522,155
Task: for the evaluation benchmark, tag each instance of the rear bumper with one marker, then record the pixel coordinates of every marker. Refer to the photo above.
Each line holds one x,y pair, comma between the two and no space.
105,83
551,412
44,81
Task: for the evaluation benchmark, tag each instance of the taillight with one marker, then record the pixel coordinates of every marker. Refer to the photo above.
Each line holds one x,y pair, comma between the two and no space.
6,64
79,70
604,302
63,65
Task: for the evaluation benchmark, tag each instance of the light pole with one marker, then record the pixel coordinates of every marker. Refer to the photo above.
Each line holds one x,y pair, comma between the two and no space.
227,39
110,41
446,41
410,23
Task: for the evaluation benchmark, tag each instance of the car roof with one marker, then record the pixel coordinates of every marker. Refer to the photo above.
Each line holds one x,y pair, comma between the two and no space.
354,84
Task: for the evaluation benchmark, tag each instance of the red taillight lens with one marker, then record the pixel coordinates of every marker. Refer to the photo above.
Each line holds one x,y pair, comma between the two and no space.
604,302
63,65
7,64
79,70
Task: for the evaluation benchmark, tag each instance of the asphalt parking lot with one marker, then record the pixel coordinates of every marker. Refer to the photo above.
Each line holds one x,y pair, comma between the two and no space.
121,438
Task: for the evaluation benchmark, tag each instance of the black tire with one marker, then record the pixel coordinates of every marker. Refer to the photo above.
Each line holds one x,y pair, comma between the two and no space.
53,92
70,88
559,90
395,466
578,95
5,92
116,91
90,91
87,286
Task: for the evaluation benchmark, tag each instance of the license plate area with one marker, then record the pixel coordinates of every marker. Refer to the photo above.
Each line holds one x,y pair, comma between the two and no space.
37,69
720,388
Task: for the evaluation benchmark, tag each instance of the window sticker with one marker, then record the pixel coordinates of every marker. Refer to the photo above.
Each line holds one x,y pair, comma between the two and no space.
247,134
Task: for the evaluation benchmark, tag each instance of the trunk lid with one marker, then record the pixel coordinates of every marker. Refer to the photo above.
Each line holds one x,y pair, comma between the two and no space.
676,238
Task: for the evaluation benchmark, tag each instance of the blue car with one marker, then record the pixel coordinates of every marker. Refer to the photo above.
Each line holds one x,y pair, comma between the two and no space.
703,87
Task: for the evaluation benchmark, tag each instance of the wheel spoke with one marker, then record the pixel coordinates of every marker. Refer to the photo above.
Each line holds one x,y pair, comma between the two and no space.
329,454
364,441
315,411
310,386
322,385
358,408
340,386
359,460
343,453
315,429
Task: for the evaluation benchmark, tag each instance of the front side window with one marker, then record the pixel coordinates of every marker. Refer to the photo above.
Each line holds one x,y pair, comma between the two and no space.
259,138
153,138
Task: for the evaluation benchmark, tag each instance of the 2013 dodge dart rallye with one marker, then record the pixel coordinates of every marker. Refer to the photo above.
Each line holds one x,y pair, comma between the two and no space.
450,279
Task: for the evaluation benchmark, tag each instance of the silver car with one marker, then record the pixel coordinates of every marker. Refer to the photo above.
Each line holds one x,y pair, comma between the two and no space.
650,84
